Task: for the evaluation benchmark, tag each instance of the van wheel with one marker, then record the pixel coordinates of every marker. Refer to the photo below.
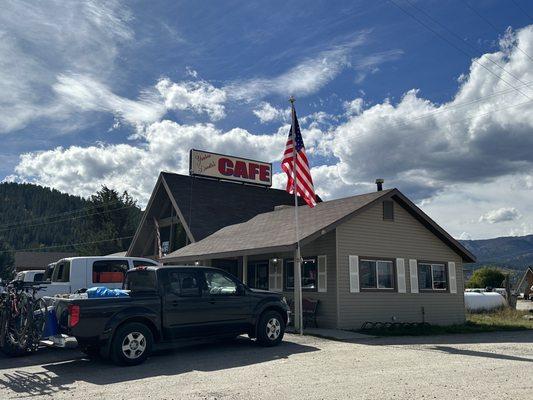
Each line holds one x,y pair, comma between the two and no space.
132,344
270,329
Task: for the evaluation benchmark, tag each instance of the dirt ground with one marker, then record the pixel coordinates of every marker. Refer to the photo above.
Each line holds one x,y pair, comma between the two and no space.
475,366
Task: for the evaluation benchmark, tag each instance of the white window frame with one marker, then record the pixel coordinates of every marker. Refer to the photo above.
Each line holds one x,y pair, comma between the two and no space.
434,264
376,261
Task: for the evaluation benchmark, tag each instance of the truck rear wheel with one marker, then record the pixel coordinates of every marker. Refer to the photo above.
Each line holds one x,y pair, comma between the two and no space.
132,344
270,329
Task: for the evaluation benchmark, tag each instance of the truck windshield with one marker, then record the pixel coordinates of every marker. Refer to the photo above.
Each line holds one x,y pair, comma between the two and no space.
141,281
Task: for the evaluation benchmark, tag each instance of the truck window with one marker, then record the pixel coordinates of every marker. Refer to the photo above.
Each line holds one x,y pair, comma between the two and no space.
139,263
38,277
62,272
141,281
182,283
109,271
220,285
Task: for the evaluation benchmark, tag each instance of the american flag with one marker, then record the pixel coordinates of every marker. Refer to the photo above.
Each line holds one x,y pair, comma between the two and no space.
304,182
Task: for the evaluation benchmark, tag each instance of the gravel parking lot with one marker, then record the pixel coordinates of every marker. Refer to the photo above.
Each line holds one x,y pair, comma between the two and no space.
489,366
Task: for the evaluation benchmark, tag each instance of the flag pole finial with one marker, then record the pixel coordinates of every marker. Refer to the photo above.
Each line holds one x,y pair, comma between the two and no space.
292,100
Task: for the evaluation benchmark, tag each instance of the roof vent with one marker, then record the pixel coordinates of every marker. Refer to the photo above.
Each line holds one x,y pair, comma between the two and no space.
281,207
379,184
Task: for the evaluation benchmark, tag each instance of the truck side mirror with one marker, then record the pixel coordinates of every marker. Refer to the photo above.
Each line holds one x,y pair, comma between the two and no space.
241,291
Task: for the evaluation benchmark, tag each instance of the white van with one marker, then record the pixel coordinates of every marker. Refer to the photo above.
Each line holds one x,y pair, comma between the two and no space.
31,276
74,273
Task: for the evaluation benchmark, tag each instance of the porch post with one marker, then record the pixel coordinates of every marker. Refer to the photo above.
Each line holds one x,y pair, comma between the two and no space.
245,270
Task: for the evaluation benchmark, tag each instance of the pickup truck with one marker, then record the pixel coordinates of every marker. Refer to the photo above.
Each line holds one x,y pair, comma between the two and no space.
168,304
71,274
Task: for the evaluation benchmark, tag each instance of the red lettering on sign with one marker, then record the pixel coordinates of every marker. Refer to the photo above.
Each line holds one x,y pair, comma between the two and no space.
253,169
225,166
240,170
264,173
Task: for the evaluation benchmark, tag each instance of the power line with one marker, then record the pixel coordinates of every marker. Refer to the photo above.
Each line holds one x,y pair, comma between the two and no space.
492,26
66,245
454,45
66,219
462,39
522,9
15,223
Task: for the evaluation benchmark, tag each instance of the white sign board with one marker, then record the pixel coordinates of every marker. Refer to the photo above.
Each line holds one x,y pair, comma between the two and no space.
221,166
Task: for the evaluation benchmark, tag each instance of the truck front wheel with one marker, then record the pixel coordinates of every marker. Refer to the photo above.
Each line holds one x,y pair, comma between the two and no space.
132,344
270,329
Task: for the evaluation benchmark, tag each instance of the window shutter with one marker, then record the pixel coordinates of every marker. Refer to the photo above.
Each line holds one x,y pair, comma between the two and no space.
413,270
400,270
275,275
322,274
453,279
354,274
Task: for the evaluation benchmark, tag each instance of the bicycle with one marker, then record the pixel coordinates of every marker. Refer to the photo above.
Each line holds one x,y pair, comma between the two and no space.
23,319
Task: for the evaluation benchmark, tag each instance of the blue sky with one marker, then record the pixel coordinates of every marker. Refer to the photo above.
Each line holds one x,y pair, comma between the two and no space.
113,92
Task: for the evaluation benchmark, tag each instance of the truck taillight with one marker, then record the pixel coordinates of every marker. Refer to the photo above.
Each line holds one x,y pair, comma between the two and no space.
73,315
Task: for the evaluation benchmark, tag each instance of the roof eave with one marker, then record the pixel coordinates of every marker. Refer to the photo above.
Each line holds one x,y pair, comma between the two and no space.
233,253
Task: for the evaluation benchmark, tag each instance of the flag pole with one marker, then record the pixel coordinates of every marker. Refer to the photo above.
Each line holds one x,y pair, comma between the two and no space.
298,318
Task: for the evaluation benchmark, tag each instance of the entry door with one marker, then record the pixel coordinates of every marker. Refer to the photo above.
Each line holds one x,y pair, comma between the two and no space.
230,266
229,308
186,312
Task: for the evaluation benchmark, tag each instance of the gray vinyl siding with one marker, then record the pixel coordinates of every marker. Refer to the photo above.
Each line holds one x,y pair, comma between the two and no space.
327,308
367,234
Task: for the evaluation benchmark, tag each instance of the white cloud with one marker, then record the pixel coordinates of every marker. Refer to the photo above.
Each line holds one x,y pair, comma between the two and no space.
165,145
268,113
199,96
503,214
52,38
87,94
424,147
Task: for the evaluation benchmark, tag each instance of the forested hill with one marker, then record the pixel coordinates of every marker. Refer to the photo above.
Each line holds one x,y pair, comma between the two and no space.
36,217
515,252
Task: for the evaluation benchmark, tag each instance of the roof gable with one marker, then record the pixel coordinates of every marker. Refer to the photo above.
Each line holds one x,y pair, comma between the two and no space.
208,205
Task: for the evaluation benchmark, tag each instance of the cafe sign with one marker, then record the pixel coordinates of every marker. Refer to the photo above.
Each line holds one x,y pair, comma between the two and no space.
221,166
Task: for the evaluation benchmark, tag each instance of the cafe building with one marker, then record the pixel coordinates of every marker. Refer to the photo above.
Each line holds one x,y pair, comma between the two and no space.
373,257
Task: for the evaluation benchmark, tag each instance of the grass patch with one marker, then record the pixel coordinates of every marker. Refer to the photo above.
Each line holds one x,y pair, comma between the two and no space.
501,320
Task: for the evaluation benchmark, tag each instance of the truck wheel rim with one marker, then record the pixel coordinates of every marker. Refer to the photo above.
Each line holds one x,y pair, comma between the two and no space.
273,328
134,345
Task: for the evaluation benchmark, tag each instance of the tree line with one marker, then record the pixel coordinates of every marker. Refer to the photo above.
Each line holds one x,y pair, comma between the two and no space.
36,218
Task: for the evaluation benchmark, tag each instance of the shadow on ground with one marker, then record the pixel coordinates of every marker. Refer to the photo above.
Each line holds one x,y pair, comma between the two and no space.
61,370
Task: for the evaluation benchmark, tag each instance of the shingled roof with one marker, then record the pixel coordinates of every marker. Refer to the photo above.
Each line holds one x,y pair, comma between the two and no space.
206,205
275,231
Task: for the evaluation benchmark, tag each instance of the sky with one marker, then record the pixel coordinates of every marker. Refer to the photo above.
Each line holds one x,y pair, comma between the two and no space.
432,96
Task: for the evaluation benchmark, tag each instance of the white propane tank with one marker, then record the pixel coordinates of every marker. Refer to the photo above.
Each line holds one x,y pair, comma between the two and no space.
486,301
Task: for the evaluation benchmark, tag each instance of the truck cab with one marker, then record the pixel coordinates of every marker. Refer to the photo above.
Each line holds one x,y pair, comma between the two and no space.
74,273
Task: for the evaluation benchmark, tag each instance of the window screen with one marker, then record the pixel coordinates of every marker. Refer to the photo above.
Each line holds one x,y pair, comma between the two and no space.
376,274
109,271
388,210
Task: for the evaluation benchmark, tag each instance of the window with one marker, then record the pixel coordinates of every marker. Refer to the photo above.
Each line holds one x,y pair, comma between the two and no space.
141,281
258,274
183,283
218,284
109,271
309,274
432,276
388,210
61,272
376,274
38,277
140,263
